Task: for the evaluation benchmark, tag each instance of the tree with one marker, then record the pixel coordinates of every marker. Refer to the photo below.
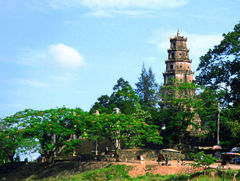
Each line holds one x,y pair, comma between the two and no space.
131,130
123,97
46,131
230,126
13,137
9,142
103,105
220,67
220,70
202,160
188,111
55,129
147,89
178,113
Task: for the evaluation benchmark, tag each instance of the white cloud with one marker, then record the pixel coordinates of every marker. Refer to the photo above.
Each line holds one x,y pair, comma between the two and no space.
109,13
59,55
32,83
65,56
102,13
117,4
109,7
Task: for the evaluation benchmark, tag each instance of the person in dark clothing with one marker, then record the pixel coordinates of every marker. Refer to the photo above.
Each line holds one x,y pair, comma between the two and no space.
167,161
159,159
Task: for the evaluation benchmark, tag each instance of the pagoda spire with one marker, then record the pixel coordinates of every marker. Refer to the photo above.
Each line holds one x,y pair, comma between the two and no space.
178,64
178,32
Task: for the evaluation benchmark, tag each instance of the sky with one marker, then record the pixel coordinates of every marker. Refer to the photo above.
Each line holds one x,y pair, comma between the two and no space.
56,53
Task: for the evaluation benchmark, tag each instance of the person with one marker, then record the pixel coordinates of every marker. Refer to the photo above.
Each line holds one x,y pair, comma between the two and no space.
160,158
106,150
223,163
182,161
141,159
167,161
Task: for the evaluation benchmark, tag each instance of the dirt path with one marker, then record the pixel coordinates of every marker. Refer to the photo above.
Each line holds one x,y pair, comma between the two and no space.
174,168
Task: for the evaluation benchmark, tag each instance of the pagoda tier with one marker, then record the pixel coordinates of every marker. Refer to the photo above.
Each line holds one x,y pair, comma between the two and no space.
178,64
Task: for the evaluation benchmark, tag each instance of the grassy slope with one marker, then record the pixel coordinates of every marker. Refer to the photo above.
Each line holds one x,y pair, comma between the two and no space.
76,171
120,173
111,172
20,171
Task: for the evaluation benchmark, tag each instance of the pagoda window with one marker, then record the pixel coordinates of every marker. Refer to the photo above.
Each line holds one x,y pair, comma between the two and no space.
174,45
171,67
173,55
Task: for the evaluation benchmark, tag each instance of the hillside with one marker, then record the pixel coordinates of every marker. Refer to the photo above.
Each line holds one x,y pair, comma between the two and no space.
115,171
21,171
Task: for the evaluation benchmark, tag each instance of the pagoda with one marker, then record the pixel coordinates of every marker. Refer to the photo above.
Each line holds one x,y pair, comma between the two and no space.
178,64
178,69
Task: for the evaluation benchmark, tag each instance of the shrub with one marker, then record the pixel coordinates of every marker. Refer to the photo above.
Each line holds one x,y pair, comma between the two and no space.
202,160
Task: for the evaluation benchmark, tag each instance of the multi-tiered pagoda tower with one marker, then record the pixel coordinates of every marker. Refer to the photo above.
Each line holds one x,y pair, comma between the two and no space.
178,67
178,64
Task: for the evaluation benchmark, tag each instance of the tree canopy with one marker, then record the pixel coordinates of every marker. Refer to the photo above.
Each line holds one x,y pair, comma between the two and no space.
52,130
123,97
219,68
147,89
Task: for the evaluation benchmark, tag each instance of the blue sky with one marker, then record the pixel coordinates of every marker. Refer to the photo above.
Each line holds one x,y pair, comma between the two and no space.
70,52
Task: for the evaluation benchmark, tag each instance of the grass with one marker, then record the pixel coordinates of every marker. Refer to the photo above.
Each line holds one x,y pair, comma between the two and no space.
112,172
120,173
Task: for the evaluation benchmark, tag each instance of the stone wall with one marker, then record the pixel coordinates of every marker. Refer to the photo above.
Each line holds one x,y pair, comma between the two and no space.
148,154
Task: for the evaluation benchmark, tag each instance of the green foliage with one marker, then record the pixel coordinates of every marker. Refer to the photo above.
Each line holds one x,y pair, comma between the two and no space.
54,128
202,160
207,107
123,97
116,172
180,108
49,131
220,67
128,128
220,70
141,114
13,136
147,89
188,108
230,126
103,105
45,131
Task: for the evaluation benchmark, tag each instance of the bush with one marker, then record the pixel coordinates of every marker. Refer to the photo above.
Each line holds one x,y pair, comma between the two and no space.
202,160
